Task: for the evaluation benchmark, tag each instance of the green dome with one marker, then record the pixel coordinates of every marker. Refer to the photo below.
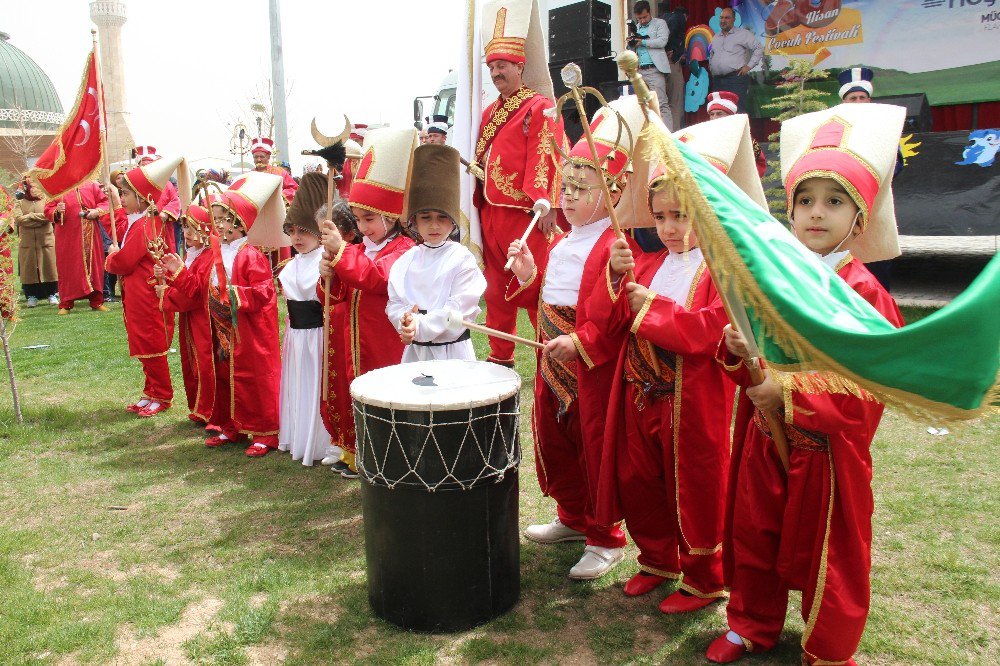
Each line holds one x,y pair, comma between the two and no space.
24,86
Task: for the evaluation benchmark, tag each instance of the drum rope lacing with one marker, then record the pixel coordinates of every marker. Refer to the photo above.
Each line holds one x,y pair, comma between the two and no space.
430,445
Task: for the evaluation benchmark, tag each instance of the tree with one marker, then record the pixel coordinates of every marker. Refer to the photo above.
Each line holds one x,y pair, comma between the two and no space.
797,98
25,137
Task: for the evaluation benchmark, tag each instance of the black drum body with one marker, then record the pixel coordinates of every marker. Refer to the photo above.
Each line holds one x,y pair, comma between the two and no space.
440,502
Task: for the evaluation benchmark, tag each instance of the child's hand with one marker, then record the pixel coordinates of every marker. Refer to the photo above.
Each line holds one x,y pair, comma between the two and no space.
622,260
767,396
636,296
408,327
158,272
331,238
113,248
561,348
524,262
160,290
171,263
736,343
325,266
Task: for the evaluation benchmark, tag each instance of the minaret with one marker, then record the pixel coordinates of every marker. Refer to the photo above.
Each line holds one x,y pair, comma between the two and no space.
110,16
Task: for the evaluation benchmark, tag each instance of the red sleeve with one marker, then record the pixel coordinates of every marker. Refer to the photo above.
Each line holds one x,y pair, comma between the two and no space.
594,346
524,295
608,310
50,208
355,269
338,290
669,325
125,260
188,284
732,364
257,290
169,202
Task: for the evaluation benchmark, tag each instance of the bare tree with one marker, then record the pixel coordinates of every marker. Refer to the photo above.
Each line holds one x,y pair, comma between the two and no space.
25,138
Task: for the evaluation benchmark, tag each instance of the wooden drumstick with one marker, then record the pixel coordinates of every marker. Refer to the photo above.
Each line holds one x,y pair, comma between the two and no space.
455,318
524,238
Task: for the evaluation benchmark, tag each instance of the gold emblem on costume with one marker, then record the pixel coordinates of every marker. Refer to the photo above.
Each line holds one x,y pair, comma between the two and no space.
505,183
500,115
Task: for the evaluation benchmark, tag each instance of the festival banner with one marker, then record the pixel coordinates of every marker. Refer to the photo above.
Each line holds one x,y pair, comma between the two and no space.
944,48
950,185
465,132
76,153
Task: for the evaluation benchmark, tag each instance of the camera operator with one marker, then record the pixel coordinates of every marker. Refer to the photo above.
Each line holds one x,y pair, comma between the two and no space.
647,37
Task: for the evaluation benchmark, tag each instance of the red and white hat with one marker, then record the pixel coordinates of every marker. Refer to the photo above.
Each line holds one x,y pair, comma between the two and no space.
723,100
255,199
150,180
145,152
726,144
262,144
379,183
514,33
856,145
616,129
358,132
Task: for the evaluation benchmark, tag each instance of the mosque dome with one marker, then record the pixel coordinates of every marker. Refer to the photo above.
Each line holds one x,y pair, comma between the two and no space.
26,92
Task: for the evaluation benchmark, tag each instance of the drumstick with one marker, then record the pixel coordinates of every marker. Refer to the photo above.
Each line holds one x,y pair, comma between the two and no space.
494,333
524,239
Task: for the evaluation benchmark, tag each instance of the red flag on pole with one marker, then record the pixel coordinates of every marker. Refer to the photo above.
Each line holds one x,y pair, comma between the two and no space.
76,153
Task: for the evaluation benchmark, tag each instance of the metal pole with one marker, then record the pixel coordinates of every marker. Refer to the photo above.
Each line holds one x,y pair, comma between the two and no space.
278,82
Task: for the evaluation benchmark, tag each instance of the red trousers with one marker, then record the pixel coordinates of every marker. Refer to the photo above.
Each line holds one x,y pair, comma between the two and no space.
562,468
96,300
786,536
647,487
158,387
501,227
222,414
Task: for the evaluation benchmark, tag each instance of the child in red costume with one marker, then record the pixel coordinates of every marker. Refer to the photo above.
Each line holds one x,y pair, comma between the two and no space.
667,438
576,368
143,241
810,529
247,354
194,324
359,274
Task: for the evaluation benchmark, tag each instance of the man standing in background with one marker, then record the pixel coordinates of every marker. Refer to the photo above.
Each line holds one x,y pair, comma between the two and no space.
648,41
735,51
677,26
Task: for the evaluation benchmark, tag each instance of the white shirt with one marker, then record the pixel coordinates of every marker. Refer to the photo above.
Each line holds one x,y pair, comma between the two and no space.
674,276
371,249
437,280
300,275
229,251
132,218
191,254
566,262
831,260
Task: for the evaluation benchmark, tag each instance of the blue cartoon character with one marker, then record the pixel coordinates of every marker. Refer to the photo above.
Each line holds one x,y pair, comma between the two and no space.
983,151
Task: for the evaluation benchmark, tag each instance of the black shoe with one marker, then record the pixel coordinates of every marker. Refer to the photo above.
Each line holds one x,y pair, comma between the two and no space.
342,468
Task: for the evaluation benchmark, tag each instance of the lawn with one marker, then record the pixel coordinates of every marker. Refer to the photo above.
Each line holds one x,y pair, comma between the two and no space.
126,541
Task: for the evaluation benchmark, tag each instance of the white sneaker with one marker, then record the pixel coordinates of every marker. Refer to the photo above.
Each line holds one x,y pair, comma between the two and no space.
596,562
329,460
32,302
53,299
554,532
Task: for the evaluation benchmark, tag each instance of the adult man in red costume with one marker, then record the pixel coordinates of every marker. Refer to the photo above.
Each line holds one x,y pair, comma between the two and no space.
515,152
79,249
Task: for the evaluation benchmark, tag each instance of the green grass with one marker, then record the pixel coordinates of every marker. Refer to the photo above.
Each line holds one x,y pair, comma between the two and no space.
218,559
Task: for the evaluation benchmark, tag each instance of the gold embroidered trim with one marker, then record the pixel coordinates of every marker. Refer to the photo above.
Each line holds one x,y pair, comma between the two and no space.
527,283
821,578
698,593
505,183
340,253
544,152
583,352
500,115
659,572
637,322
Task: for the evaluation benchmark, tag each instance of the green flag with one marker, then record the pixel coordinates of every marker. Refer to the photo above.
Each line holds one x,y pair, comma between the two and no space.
805,318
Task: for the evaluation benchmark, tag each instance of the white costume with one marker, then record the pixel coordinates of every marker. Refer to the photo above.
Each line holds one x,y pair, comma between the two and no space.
301,429
438,280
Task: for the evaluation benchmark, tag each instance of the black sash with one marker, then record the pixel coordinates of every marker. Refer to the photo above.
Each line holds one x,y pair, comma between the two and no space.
305,314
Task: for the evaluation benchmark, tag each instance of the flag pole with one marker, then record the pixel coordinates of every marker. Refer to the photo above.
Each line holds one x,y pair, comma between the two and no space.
731,301
104,140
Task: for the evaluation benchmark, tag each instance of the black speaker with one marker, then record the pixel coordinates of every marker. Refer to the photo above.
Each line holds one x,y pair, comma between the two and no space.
918,111
581,30
601,74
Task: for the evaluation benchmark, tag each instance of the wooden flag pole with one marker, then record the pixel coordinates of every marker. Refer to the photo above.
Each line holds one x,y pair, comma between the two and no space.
104,141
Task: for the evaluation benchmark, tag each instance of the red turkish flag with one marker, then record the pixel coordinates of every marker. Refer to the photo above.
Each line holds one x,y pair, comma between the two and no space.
76,153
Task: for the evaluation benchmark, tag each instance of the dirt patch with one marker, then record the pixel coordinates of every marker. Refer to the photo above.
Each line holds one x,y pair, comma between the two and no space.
264,655
167,645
